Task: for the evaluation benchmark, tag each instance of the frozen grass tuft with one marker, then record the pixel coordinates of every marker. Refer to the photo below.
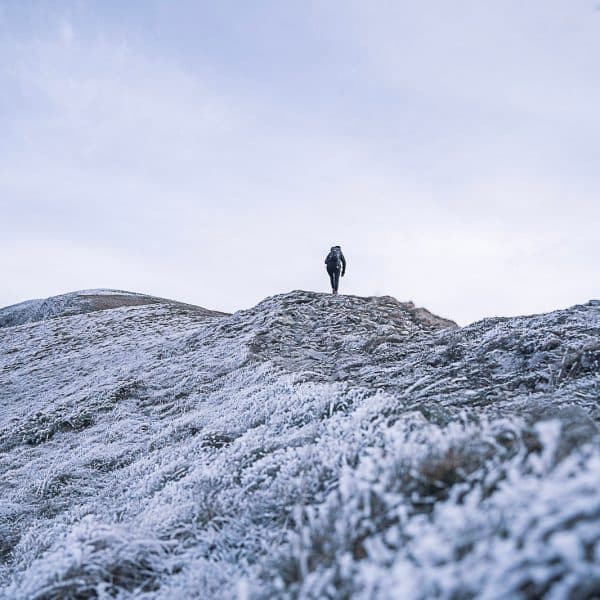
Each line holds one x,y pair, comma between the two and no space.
98,561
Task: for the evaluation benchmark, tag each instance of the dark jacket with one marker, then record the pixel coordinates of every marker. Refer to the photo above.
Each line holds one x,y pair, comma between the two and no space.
335,260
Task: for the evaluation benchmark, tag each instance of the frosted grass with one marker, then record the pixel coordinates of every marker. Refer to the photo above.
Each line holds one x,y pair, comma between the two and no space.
310,447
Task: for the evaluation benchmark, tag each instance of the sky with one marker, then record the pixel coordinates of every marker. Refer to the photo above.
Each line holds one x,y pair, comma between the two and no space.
212,152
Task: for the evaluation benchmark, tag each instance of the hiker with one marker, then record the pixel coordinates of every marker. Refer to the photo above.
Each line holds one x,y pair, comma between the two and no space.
336,265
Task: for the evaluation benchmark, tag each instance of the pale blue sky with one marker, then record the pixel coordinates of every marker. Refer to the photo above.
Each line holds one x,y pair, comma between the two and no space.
213,151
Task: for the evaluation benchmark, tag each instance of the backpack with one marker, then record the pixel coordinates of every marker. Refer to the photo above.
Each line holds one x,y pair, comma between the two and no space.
334,258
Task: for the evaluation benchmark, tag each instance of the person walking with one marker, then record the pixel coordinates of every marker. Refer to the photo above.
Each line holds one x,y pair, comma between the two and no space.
336,266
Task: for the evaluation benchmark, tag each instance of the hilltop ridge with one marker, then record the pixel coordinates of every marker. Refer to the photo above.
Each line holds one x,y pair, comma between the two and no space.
311,446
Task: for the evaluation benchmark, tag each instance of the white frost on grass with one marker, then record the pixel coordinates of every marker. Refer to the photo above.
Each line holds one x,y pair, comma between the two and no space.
491,528
307,448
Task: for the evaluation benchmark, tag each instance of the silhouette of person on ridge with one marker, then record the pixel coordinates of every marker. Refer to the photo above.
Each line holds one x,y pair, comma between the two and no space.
336,265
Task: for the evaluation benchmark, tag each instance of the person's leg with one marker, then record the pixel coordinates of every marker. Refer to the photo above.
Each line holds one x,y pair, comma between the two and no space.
336,280
331,278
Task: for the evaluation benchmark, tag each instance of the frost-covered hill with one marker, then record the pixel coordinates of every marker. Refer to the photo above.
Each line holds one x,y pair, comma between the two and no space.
74,303
312,446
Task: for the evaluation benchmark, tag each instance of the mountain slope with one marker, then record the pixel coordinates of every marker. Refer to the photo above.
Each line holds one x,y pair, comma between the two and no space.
312,446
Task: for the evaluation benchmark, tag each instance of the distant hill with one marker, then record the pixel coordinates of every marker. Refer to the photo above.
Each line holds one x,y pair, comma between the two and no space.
75,303
313,446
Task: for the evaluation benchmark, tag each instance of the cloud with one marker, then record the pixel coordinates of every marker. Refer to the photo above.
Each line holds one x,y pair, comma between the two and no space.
67,34
125,166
